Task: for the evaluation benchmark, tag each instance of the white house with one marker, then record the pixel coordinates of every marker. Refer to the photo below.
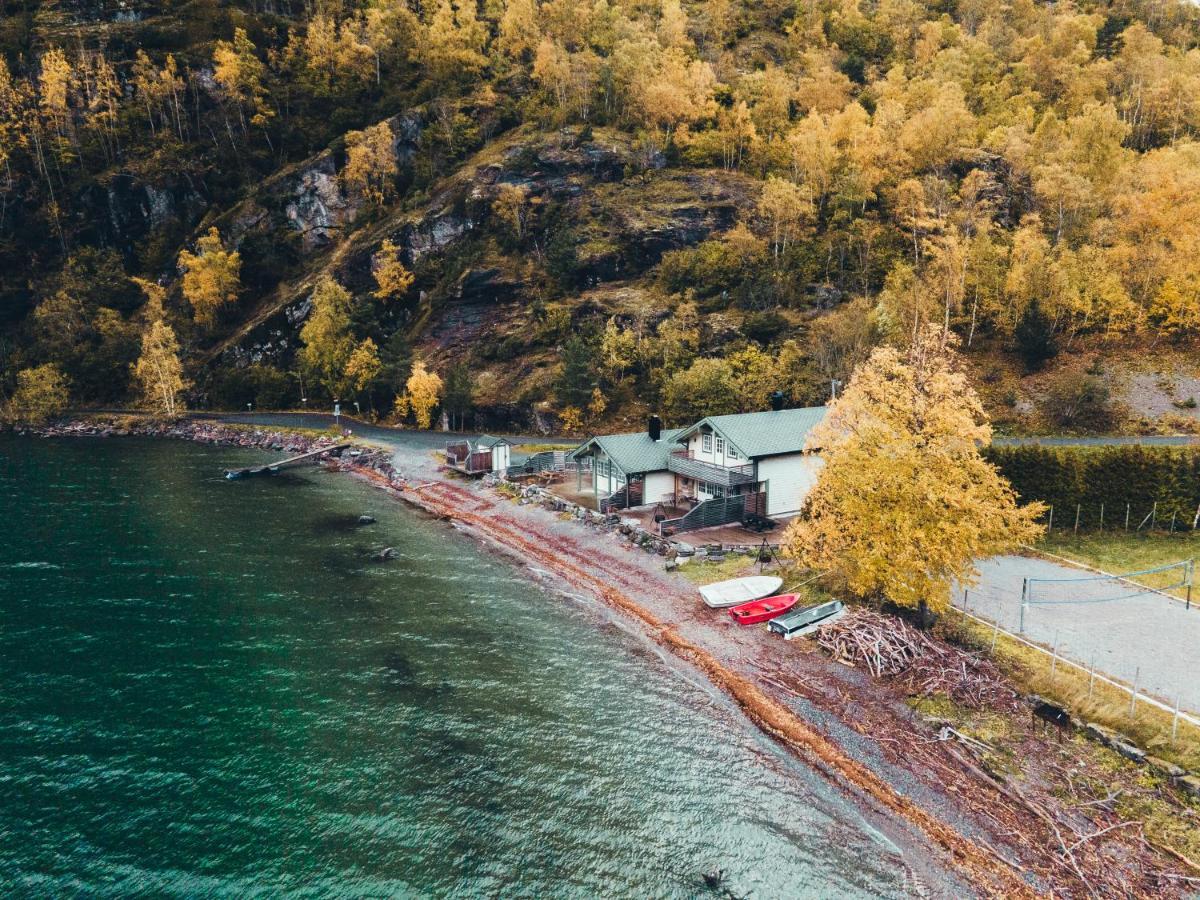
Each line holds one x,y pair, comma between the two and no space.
479,455
630,469
764,456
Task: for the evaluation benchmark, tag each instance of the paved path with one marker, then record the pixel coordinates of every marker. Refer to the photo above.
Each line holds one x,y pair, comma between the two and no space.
1148,636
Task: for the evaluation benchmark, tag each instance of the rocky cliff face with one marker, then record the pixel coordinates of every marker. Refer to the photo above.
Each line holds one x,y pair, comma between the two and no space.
611,229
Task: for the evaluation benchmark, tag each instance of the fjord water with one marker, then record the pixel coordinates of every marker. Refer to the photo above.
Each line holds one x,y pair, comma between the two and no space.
209,688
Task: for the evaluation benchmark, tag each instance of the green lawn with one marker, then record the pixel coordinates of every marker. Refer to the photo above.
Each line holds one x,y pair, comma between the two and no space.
1120,552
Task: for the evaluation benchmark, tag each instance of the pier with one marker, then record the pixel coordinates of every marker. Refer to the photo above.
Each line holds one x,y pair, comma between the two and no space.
292,462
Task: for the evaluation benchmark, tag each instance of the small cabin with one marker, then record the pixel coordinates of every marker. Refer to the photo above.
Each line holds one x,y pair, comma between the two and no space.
479,456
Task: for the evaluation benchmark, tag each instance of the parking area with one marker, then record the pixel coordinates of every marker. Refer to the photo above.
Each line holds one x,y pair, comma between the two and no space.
1130,634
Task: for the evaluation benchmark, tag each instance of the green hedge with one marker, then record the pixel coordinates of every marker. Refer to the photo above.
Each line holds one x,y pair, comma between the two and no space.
1133,475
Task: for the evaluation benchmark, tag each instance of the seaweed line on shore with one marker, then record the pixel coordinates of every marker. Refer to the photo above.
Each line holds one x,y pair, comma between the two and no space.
988,870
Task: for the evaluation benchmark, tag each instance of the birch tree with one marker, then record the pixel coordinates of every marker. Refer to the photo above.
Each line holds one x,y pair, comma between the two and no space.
905,503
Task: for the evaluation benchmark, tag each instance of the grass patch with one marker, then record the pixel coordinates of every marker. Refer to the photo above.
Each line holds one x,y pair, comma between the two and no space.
1030,671
1121,551
704,571
542,448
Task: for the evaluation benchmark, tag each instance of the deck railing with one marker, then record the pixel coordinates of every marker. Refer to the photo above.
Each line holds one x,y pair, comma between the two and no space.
683,462
718,511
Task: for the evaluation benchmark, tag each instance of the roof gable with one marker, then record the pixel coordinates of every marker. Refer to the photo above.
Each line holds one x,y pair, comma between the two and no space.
764,433
634,453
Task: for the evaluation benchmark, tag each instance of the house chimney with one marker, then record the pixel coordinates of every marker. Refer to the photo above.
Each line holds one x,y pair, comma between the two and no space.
654,428
777,400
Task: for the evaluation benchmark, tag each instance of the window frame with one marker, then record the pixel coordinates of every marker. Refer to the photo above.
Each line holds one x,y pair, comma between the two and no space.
706,442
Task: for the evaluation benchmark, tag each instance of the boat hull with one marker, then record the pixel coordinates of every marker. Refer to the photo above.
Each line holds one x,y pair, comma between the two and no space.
724,594
758,611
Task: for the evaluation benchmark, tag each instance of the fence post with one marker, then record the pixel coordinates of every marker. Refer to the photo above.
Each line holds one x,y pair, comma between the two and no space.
1024,598
1137,673
1172,522
1054,658
1091,678
1153,515
1196,517
995,634
1191,572
1077,505
966,603
1101,516
1175,720
1050,527
1127,516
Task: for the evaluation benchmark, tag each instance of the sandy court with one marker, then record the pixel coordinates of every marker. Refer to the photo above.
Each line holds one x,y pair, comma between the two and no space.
1147,637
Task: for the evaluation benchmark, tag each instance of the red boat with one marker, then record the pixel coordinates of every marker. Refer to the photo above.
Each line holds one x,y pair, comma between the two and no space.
760,610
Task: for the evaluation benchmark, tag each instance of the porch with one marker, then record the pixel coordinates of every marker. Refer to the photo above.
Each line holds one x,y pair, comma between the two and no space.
685,463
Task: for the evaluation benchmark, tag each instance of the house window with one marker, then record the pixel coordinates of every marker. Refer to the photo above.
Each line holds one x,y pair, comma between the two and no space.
732,454
706,443
720,445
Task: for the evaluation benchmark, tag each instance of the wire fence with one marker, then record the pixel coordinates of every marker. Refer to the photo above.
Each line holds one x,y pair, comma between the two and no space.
1118,631
1093,674
1131,517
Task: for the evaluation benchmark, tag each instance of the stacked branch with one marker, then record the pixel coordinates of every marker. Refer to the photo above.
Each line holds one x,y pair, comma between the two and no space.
890,647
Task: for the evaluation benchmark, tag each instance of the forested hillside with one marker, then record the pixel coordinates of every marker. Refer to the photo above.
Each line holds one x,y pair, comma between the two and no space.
574,211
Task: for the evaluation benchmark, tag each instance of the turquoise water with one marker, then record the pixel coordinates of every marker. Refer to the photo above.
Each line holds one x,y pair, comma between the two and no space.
208,688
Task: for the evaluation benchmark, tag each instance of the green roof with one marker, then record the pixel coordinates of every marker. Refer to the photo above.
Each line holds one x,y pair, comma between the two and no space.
764,433
634,453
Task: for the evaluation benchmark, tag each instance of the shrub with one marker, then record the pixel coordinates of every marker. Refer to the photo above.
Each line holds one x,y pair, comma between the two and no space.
1079,401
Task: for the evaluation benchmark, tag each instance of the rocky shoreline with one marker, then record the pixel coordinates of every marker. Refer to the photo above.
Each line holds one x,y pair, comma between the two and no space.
800,701
219,434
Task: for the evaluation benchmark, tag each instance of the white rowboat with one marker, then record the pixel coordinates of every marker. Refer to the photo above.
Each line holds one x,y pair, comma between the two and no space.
740,590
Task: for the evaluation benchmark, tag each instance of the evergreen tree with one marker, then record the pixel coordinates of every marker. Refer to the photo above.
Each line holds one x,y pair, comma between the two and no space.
1034,335
577,379
459,393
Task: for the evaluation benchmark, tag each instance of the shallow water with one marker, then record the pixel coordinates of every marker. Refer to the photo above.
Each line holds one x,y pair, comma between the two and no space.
208,687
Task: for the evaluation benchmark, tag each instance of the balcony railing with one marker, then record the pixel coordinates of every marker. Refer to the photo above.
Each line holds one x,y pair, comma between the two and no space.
682,462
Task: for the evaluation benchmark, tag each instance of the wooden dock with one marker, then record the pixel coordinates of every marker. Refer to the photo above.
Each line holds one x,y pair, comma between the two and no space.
272,468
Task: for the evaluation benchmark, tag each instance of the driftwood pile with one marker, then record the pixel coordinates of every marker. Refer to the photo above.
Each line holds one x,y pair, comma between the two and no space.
890,647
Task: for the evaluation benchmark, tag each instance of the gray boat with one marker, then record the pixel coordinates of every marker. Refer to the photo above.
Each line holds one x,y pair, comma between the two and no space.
802,621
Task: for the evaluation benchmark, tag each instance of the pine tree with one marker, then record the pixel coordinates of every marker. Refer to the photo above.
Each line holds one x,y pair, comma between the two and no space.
459,393
1034,336
576,380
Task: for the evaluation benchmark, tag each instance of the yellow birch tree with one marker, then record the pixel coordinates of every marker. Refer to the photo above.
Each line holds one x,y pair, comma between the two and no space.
158,371
211,277
905,503
392,279
42,392
423,389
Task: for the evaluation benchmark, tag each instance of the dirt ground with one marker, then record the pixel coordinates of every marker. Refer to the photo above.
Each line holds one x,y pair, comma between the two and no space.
1012,833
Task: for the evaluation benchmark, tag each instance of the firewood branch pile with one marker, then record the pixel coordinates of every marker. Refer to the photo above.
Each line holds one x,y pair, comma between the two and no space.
889,647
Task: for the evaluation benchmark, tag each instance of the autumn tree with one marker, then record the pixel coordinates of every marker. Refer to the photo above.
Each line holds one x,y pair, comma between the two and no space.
158,372
371,165
455,41
238,73
363,366
423,390
211,277
392,279
42,393
327,336
903,442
